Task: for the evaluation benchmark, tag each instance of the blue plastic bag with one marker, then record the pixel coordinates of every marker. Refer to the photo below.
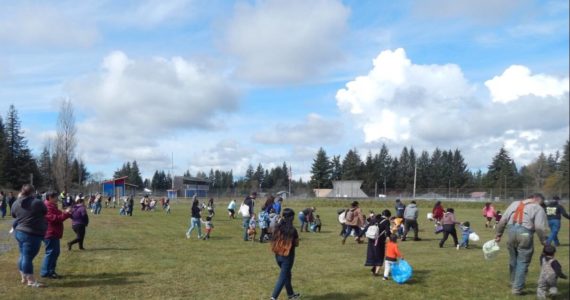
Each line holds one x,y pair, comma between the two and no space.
401,271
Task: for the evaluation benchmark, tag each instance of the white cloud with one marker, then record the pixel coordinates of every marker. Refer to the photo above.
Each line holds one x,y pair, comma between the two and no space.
517,81
277,41
482,11
428,106
133,104
315,130
37,24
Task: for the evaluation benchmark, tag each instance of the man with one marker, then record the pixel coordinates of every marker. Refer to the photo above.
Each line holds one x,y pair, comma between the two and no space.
400,207
250,202
11,200
524,218
554,213
411,220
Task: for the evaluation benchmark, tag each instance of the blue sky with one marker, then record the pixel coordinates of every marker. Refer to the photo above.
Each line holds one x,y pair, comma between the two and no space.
225,84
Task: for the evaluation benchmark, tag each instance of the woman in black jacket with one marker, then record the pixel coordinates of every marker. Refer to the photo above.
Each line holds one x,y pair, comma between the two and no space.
376,232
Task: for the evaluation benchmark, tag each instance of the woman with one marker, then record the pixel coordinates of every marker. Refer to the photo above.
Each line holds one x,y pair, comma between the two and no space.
354,221
449,223
285,240
195,219
268,205
30,230
438,212
55,218
376,232
79,221
211,211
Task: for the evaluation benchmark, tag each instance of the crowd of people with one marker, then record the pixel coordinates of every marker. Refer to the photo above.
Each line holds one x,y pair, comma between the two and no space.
38,219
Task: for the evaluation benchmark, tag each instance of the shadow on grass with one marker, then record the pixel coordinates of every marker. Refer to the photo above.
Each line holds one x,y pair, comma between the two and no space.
101,279
111,249
105,275
419,276
338,296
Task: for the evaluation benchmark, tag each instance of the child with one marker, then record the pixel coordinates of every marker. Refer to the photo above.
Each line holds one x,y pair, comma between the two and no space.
251,233
392,255
209,226
549,272
465,232
498,217
397,226
318,224
273,220
264,225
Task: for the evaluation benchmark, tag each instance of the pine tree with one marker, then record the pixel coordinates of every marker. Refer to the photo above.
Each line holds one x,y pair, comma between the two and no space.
321,170
336,173
2,152
135,175
46,169
502,174
352,167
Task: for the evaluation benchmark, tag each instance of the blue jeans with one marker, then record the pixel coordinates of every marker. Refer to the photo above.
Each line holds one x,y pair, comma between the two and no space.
302,220
50,260
464,241
195,222
3,211
554,225
98,208
245,225
521,248
284,279
29,247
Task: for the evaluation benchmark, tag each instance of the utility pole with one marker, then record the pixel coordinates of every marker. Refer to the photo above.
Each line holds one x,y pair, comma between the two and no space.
415,176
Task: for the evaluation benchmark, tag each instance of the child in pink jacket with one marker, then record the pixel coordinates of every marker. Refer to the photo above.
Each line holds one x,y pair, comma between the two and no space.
488,213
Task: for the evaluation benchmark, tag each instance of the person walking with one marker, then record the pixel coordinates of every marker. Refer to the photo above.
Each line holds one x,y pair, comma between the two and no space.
250,203
554,213
400,207
354,221
285,240
3,204
522,219
449,223
55,218
130,205
438,212
411,221
30,230
488,213
79,223
376,232
11,200
195,219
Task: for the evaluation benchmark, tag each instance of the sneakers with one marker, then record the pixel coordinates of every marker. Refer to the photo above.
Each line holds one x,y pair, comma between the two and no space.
457,247
187,235
294,296
384,278
36,284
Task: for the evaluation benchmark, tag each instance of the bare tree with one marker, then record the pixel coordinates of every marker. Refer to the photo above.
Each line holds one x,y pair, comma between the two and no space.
65,144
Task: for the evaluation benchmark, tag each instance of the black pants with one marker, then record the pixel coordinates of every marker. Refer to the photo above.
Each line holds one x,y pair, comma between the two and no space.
264,232
318,228
79,230
448,229
343,229
410,224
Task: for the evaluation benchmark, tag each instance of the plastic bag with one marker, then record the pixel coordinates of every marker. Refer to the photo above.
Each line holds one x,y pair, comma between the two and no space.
430,216
438,228
473,237
401,271
490,249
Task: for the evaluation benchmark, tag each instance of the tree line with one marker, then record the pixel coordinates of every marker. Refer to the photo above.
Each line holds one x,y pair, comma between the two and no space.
441,170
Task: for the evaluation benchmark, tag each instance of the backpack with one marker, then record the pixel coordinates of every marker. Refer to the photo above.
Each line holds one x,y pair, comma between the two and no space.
373,232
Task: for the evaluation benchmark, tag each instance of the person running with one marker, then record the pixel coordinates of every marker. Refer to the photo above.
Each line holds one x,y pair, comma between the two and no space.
79,222
232,209
524,218
250,203
54,233
449,223
195,219
30,230
554,213
411,221
438,212
285,240
488,213
354,221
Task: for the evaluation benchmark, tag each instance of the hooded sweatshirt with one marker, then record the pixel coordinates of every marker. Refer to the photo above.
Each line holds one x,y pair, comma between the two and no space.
411,212
55,218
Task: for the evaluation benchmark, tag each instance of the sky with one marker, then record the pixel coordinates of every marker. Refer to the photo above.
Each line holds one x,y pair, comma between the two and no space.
224,84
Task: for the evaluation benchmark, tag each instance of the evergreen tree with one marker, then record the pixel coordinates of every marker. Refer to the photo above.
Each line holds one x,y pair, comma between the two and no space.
321,170
2,152
459,172
423,172
46,169
502,174
352,167
336,173
135,175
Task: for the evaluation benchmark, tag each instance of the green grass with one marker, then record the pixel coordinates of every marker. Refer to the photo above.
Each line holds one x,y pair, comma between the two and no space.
147,256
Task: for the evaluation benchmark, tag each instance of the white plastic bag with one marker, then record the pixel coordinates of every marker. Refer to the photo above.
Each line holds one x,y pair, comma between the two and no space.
244,210
473,237
430,216
491,249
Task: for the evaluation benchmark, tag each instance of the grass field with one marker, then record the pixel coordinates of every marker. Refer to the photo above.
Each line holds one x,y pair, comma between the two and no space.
147,256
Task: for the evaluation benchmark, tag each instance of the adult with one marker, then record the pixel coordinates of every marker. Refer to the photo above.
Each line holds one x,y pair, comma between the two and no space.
438,212
268,205
411,221
277,204
11,200
97,203
250,202
143,203
449,223
3,204
306,216
524,218
130,205
195,219
210,207
29,232
400,207
232,209
285,240
376,232
488,213
79,223
354,220
554,213
55,218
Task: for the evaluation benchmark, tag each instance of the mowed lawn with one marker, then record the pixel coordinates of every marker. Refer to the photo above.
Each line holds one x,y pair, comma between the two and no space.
148,257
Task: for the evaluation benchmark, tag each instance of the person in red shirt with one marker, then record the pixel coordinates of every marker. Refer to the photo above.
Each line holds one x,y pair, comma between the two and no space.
54,218
392,255
438,212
